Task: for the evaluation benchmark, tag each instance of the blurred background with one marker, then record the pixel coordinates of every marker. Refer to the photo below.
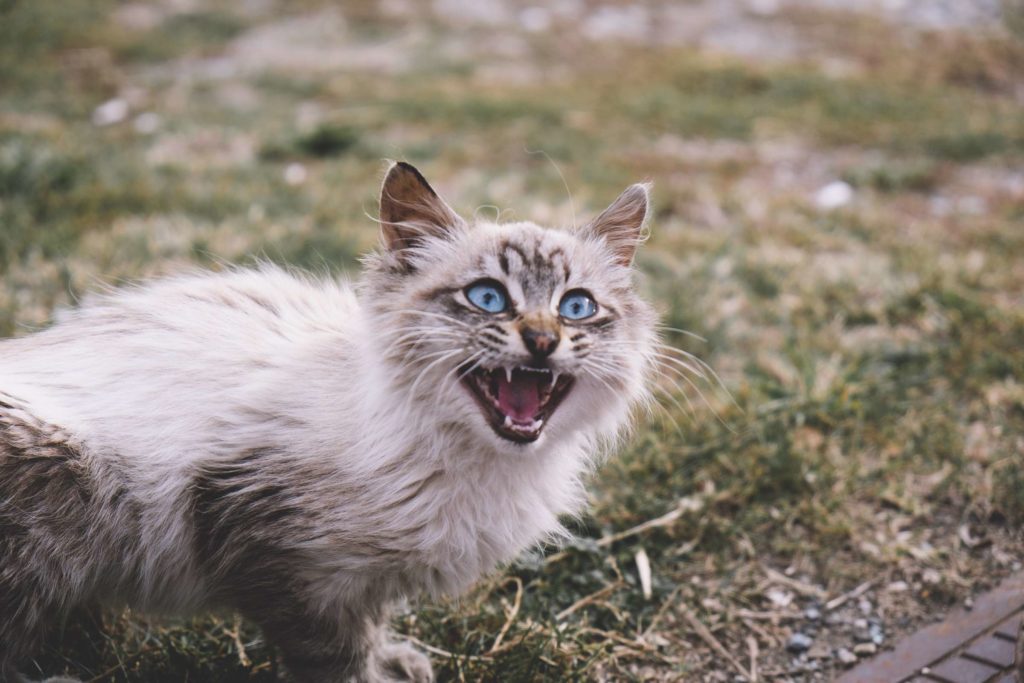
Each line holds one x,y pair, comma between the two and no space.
839,216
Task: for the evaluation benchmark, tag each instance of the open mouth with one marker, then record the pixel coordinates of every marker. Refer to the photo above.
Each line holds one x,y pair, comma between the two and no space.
518,402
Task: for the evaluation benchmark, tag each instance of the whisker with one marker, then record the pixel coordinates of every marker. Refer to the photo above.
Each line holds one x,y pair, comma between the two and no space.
433,314
412,390
687,333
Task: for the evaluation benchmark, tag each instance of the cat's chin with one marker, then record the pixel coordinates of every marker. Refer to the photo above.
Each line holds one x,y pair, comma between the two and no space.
517,402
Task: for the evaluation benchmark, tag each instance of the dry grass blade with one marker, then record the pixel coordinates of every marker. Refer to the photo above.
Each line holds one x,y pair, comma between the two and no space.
235,632
685,505
445,653
643,569
709,638
513,613
841,600
754,651
660,613
586,600
800,587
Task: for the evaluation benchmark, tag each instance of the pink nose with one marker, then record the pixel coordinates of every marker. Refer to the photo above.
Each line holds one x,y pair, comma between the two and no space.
540,343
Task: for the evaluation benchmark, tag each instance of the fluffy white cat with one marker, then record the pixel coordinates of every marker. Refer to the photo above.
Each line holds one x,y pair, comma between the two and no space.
307,452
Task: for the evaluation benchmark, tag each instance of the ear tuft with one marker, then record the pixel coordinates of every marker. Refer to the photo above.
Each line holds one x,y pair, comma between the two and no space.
621,225
411,211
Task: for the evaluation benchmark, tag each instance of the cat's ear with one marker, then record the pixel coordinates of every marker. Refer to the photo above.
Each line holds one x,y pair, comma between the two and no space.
410,211
621,225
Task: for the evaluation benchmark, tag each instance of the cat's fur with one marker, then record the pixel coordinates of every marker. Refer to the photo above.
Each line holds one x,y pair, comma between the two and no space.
301,450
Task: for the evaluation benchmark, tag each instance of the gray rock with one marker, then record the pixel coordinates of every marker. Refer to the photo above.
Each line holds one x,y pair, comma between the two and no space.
799,643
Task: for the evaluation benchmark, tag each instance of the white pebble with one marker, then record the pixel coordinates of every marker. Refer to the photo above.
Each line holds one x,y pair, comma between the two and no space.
295,174
110,112
833,196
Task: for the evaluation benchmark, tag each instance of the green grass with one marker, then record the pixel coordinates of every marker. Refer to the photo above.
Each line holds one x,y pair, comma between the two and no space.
871,354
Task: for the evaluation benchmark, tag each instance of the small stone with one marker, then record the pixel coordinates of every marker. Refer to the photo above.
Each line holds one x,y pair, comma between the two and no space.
898,587
779,598
846,657
865,649
862,635
812,614
799,643
834,195
295,174
110,112
819,652
860,623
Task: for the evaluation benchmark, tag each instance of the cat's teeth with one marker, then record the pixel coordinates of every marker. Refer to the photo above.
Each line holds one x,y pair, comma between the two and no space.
508,374
554,378
508,422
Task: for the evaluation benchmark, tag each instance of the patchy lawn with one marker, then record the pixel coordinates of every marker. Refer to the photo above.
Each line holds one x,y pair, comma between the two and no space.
839,219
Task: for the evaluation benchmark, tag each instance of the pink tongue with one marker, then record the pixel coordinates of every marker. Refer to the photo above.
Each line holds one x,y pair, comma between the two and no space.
520,398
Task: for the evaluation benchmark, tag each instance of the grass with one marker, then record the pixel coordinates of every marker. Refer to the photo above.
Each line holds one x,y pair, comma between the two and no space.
870,352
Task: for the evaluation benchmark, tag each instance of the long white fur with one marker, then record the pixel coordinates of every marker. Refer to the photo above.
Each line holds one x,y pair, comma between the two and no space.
161,381
167,379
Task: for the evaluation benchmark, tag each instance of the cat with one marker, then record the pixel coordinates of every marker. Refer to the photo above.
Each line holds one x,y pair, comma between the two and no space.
307,452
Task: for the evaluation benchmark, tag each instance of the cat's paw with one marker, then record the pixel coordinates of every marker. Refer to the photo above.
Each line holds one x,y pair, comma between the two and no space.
404,663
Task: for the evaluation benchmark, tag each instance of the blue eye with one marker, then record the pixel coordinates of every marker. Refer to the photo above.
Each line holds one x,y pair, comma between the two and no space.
577,305
487,296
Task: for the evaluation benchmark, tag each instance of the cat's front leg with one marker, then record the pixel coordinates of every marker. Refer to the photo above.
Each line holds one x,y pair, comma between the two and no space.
402,662
351,648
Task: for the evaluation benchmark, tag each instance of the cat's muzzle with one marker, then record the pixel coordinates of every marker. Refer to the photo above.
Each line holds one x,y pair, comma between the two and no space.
517,402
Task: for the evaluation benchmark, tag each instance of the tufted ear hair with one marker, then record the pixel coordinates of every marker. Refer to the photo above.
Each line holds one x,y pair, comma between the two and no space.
621,225
411,211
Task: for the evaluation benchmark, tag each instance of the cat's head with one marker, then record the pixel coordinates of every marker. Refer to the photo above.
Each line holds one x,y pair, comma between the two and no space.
524,334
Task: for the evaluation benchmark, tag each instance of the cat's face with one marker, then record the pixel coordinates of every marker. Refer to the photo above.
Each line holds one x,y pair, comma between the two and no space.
517,331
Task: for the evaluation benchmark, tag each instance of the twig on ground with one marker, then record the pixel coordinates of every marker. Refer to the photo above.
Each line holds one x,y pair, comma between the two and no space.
586,600
841,600
660,613
773,617
236,636
634,645
516,604
754,652
685,505
100,677
800,587
765,635
445,653
701,630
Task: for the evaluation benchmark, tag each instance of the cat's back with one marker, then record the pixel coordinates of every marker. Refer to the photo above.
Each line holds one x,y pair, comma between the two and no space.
175,355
